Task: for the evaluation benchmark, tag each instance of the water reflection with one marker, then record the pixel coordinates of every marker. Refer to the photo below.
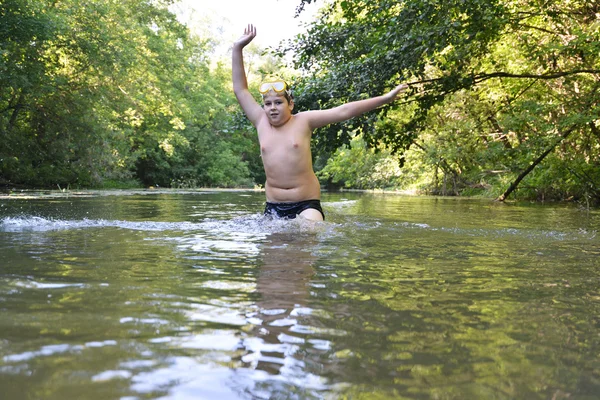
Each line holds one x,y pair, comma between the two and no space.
279,342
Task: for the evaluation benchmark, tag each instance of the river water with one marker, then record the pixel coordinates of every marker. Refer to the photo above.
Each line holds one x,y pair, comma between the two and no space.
195,295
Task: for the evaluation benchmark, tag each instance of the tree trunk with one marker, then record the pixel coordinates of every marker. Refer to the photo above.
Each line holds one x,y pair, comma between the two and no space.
538,160
16,109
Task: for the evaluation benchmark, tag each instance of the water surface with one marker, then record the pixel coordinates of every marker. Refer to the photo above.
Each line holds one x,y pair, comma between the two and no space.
195,295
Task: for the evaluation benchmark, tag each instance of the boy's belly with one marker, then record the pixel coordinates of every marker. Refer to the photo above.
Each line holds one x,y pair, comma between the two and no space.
304,188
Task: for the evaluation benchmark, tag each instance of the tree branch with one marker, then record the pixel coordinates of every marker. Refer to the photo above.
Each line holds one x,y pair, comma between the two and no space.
537,28
553,75
587,181
500,74
513,186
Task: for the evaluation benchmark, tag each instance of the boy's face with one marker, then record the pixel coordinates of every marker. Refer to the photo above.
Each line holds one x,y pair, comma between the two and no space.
277,107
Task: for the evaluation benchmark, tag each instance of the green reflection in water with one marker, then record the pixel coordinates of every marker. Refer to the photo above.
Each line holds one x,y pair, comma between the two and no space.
193,294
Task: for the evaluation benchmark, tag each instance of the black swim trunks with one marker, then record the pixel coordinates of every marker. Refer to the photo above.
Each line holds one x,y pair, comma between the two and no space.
291,210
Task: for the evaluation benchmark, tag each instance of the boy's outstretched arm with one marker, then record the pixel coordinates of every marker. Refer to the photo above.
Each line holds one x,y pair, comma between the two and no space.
319,118
240,84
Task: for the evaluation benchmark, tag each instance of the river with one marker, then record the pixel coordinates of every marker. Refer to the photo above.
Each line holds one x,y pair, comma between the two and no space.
195,295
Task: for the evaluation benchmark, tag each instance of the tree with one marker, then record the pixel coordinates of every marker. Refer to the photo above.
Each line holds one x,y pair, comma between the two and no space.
99,91
533,65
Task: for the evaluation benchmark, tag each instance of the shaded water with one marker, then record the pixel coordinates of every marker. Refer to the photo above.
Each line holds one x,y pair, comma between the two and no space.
194,295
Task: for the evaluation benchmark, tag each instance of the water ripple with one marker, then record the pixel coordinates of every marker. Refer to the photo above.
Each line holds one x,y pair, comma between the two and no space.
39,224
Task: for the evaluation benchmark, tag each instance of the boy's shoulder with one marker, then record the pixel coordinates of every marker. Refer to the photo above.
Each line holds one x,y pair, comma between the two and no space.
307,114
304,117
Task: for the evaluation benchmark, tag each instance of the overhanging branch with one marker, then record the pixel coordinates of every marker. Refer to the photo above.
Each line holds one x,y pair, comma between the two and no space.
550,75
500,74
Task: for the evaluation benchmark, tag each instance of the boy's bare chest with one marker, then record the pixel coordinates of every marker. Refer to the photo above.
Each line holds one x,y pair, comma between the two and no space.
277,143
283,141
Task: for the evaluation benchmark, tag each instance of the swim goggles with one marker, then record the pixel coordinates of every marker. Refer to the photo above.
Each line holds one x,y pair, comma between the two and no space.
277,87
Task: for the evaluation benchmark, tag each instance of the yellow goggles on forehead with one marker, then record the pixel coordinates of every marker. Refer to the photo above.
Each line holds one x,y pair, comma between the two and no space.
277,87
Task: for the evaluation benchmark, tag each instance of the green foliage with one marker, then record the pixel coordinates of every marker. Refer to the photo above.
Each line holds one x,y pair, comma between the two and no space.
359,167
501,92
113,91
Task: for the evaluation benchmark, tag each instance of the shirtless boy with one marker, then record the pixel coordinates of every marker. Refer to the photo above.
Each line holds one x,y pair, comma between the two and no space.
292,188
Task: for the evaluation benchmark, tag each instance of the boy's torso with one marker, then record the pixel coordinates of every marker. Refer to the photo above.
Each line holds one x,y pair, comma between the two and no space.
287,160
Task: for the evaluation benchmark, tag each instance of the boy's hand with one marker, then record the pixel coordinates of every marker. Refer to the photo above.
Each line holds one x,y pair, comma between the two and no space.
249,34
392,94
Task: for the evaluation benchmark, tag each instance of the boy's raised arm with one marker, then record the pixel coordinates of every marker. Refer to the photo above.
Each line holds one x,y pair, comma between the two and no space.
353,109
240,84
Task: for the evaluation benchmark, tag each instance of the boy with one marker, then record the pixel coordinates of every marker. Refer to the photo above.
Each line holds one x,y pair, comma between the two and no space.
292,188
